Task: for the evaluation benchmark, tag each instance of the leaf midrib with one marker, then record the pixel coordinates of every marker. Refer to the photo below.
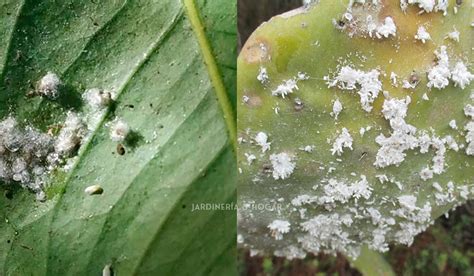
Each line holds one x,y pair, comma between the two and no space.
210,62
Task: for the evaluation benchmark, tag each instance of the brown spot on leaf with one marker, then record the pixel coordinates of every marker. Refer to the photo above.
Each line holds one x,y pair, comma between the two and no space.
256,50
120,149
254,101
299,105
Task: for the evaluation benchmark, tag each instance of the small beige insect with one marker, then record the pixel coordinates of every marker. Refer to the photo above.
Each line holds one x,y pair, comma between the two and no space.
94,190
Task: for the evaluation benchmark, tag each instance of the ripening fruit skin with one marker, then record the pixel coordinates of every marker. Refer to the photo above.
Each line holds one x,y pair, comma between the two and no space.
306,40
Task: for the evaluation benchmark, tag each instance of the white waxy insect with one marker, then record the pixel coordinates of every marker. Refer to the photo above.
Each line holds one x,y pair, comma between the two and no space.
119,130
97,98
49,85
336,109
422,34
94,190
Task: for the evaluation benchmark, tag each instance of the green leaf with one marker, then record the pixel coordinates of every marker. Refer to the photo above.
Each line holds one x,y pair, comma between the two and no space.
373,263
175,63
307,40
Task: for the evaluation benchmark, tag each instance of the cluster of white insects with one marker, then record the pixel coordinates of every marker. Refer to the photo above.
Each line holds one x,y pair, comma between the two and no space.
28,156
321,219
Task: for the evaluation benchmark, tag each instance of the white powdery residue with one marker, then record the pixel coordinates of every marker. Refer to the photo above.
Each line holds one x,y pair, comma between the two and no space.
262,140
336,108
344,140
395,109
24,156
363,130
461,76
335,191
411,212
361,188
464,192
408,232
49,85
407,85
424,142
387,29
427,5
308,148
378,243
442,197
442,5
438,76
27,156
422,34
283,166
303,199
470,137
392,148
278,228
119,130
402,138
418,219
371,25
287,87
367,83
302,76
437,187
382,178
393,79
325,232
96,98
451,143
452,124
469,111
71,134
439,158
347,220
375,215
340,191
250,158
408,202
347,78
454,35
426,173
403,5
262,76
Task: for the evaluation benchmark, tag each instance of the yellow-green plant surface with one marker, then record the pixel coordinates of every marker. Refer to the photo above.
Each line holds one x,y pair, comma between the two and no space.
318,41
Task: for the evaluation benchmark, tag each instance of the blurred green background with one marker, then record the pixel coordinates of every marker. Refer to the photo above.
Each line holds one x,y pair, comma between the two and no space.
446,248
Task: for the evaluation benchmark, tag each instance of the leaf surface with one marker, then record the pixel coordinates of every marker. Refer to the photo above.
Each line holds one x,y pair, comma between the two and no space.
150,54
307,40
